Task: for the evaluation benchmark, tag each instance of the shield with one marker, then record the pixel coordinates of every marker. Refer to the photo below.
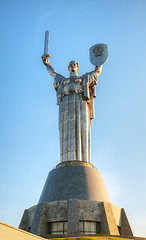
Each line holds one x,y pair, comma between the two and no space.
98,54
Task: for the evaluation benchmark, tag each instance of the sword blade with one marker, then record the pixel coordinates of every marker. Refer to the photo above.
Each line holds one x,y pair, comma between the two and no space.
46,46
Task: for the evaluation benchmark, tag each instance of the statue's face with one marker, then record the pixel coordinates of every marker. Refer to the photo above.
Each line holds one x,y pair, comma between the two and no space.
73,66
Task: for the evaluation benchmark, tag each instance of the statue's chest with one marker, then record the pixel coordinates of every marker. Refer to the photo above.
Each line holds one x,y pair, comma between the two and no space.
72,85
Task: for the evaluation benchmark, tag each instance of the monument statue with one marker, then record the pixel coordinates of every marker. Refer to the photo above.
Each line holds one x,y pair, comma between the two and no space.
74,200
75,97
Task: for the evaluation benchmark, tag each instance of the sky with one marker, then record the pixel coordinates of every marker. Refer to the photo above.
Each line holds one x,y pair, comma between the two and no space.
29,139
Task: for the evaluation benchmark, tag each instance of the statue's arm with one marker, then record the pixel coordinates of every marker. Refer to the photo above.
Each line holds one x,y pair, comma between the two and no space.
89,82
96,72
58,78
93,76
50,69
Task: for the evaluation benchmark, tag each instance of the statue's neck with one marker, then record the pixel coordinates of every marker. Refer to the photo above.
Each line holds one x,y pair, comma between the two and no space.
73,74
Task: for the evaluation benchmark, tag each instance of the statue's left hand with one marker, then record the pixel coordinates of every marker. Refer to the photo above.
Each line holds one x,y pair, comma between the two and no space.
98,69
45,59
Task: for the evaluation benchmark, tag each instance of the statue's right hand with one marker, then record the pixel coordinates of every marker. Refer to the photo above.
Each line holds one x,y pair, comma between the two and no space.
45,59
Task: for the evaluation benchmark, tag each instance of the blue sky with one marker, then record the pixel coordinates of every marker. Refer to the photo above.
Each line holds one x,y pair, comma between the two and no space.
29,115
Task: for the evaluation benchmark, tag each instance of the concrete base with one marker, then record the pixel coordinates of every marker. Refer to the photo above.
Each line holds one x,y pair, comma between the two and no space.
111,219
75,198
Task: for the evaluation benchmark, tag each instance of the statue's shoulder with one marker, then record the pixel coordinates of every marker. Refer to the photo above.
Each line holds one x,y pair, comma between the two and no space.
88,74
59,77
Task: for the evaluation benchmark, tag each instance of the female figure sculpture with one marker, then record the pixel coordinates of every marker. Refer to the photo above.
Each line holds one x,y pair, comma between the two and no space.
76,110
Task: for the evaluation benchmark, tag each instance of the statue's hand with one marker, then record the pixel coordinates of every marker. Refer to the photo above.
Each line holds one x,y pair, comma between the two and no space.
99,68
45,59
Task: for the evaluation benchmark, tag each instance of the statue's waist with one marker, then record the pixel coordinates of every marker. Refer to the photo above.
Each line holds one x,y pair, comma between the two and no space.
71,90
68,89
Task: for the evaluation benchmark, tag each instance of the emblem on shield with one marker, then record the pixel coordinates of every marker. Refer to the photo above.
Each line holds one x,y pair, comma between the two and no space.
98,54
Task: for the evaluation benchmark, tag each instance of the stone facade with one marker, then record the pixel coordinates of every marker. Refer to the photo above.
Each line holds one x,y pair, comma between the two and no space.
125,226
74,211
108,221
73,217
8,232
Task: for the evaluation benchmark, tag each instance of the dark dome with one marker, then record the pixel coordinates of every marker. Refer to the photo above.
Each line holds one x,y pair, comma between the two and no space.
74,182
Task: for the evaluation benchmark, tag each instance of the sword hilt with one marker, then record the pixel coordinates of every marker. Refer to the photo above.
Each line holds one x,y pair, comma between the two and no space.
45,58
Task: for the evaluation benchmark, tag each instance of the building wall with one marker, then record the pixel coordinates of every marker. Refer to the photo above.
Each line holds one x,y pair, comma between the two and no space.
8,232
75,199
117,214
73,212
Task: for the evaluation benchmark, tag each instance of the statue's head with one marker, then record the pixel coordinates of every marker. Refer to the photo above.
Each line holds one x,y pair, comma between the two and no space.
73,66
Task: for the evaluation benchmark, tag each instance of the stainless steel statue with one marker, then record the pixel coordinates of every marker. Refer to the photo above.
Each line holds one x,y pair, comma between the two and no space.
75,97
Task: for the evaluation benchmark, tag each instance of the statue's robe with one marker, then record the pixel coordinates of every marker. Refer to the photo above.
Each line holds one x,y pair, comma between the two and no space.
76,111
